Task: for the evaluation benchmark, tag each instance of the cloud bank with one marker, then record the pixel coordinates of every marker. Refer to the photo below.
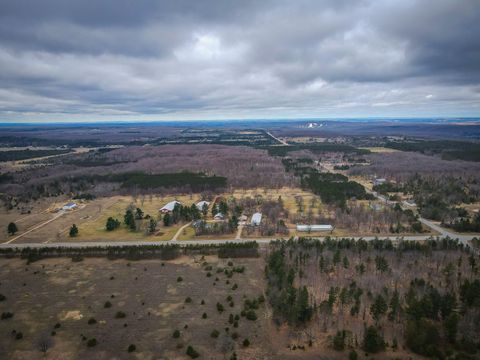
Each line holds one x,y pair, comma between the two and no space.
68,60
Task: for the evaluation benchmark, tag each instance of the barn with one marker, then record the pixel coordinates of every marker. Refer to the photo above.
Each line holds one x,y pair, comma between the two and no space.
170,206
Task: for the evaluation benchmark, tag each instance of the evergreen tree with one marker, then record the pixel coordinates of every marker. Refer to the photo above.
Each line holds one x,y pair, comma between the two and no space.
129,219
138,214
167,219
372,341
112,224
395,306
378,308
12,228
73,231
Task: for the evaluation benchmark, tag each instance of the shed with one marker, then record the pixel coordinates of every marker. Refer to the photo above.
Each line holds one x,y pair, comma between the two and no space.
69,206
219,216
170,206
256,219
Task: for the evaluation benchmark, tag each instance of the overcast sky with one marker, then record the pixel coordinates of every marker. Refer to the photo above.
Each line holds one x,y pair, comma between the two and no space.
71,60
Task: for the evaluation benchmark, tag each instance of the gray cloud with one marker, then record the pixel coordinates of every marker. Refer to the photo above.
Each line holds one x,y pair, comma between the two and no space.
123,59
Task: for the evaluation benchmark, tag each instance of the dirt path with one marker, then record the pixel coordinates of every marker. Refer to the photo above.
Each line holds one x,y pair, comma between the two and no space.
283,142
36,227
177,234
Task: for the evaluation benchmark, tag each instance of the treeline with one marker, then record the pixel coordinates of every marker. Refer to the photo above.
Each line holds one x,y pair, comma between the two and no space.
196,181
316,148
449,150
335,188
16,155
134,252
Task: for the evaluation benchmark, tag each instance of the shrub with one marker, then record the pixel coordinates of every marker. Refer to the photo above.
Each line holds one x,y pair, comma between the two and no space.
6,315
131,348
176,334
339,341
373,341
120,315
179,279
246,342
19,336
107,304
2,297
215,333
204,315
57,325
220,307
188,300
92,342
250,315
92,321
353,355
192,352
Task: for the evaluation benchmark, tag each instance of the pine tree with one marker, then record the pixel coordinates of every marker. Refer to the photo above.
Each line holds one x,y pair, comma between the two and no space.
12,228
73,231
378,308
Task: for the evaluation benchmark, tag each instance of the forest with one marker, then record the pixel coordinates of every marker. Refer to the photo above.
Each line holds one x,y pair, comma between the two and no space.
367,296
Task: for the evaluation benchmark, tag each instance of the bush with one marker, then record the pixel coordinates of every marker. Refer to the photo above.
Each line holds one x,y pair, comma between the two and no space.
246,342
92,321
176,334
251,315
353,355
204,315
57,326
215,333
92,342
220,307
19,336
188,300
131,348
192,352
107,305
2,297
179,279
120,315
6,315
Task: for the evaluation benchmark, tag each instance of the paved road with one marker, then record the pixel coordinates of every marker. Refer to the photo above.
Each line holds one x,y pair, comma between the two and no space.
279,140
78,244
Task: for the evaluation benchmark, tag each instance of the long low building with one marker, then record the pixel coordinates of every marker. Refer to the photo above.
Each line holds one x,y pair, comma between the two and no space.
313,228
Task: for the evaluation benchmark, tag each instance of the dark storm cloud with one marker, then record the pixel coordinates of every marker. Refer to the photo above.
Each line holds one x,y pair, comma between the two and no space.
211,59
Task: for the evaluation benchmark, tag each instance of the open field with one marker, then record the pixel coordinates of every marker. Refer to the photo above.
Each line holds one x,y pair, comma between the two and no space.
58,304
47,224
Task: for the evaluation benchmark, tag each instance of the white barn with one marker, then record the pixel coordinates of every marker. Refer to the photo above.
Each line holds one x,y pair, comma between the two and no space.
309,228
69,206
256,219
200,204
170,206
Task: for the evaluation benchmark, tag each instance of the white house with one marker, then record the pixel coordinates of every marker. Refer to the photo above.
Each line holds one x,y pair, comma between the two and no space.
69,206
219,216
200,204
256,219
379,181
309,228
170,206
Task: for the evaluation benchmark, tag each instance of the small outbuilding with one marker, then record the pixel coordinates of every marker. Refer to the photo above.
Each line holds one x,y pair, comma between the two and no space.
256,219
219,216
314,228
69,206
170,206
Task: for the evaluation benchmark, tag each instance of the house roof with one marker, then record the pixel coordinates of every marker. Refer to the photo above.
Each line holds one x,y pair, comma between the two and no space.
70,204
219,214
201,203
257,217
170,206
